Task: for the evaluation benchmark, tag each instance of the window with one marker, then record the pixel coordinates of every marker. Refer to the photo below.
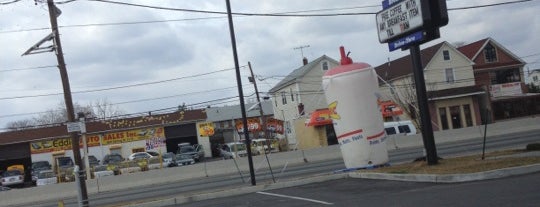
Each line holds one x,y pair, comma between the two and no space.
325,65
390,130
468,115
446,54
505,76
292,95
535,78
444,120
283,98
490,53
404,129
449,73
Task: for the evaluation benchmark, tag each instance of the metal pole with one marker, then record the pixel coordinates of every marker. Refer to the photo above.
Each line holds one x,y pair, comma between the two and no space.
53,14
421,96
241,93
485,133
263,123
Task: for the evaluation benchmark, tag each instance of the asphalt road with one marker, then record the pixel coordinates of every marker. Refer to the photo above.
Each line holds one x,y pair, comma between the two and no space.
231,181
511,191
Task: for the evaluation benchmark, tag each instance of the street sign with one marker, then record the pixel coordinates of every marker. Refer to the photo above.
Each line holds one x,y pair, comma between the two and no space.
73,127
401,18
406,41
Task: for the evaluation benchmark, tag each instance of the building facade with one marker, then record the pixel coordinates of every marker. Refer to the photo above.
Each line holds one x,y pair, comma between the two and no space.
298,95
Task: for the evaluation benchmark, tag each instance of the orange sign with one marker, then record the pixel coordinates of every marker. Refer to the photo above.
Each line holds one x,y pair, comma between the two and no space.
254,125
274,125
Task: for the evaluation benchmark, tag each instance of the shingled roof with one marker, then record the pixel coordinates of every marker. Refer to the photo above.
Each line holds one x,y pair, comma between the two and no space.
403,66
168,119
299,72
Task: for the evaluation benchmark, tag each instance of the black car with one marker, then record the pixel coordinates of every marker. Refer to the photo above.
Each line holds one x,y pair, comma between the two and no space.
93,161
112,159
37,167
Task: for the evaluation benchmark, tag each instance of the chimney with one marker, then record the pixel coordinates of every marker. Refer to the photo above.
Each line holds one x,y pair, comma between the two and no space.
305,61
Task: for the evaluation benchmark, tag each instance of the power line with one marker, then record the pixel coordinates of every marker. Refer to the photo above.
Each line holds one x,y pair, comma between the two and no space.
117,87
30,68
279,14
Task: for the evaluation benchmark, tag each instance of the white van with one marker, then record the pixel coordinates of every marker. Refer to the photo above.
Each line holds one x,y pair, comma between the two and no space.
400,127
233,150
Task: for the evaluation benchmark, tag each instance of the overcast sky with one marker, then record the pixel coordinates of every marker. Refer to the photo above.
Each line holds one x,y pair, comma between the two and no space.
188,56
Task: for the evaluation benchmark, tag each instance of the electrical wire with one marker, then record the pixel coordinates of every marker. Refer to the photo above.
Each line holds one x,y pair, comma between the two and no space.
117,87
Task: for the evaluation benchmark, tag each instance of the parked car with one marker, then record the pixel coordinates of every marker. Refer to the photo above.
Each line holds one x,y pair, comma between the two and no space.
37,167
405,127
102,171
93,161
184,159
2,188
196,152
169,159
233,150
46,177
12,177
140,155
112,159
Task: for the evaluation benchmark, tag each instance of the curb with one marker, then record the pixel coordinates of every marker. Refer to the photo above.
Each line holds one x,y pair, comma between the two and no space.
238,191
450,178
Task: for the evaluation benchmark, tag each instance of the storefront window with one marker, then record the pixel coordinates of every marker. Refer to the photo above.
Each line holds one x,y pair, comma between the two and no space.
468,115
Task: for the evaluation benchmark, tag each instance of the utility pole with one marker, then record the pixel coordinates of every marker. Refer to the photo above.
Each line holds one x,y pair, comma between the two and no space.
252,79
54,12
240,93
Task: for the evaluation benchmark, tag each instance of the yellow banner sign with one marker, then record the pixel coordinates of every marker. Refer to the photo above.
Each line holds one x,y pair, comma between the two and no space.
60,144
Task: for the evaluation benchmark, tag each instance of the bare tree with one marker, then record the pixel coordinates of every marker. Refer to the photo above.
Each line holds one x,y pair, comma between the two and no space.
403,93
106,110
21,124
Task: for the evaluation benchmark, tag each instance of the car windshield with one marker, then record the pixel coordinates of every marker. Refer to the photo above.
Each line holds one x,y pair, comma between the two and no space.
187,149
115,158
92,159
141,155
167,155
11,173
40,165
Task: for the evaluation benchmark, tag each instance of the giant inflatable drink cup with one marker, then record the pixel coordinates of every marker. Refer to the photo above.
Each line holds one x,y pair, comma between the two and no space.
351,90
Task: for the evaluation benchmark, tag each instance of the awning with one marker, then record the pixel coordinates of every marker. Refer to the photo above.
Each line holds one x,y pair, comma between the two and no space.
319,117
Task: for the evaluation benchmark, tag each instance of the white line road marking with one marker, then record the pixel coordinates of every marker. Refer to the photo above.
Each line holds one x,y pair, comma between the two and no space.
294,197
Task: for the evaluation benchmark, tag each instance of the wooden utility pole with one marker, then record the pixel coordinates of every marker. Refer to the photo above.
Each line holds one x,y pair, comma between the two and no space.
54,12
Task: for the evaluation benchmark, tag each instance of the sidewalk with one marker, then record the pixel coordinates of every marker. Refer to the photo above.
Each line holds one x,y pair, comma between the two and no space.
278,160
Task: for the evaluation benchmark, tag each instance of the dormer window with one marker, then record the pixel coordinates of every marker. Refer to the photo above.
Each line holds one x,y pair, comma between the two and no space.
490,53
325,66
